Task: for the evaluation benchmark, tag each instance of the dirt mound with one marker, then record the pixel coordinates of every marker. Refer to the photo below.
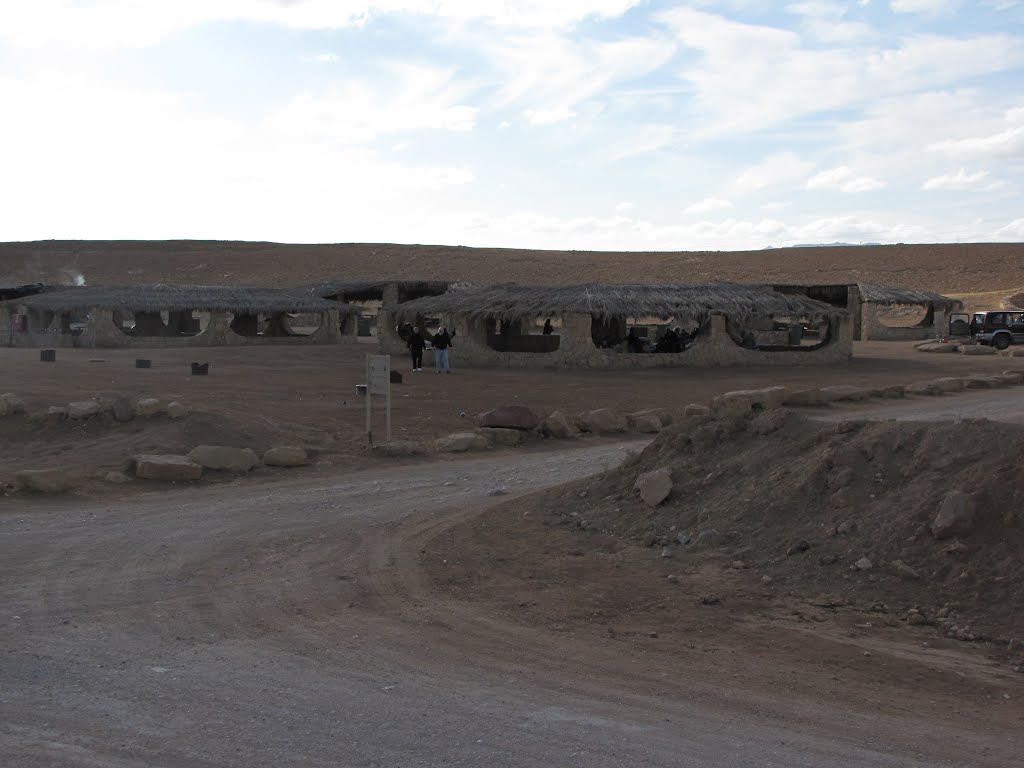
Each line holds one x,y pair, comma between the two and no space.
845,511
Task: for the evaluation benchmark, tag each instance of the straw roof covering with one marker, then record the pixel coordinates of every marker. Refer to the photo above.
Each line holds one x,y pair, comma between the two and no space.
370,289
881,294
508,302
179,298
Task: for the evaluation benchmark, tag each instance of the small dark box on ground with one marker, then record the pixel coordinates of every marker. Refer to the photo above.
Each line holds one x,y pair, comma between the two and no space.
140,363
47,355
396,377
200,369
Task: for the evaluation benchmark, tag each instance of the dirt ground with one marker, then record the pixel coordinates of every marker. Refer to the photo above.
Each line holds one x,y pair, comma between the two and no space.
947,268
260,397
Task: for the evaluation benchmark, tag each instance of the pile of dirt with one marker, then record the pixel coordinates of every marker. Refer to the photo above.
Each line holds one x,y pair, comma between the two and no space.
846,512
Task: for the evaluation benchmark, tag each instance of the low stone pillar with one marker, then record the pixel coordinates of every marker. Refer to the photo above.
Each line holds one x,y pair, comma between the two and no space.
102,331
219,330
941,322
337,328
868,321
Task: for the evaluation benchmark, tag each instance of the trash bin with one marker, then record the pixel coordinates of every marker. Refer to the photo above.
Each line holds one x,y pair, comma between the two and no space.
796,335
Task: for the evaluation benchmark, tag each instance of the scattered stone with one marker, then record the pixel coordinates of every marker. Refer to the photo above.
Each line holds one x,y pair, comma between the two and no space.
42,480
652,635
893,391
845,527
710,600
955,517
83,410
282,456
122,409
1014,645
843,393
977,349
399,449
461,442
744,400
498,492
509,417
118,478
558,426
666,552
905,570
766,579
56,413
11,404
864,564
645,422
830,559
708,539
165,467
804,397
695,409
739,565
916,619
600,421
654,487
938,347
223,457
176,410
502,435
649,540
673,579
800,546
147,407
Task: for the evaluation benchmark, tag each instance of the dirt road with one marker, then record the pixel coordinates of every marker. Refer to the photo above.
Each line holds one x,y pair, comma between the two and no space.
288,625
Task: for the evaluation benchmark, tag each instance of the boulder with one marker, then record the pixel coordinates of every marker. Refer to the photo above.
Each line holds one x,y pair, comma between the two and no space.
708,539
283,456
654,487
695,409
147,406
600,421
1011,378
955,516
224,457
892,392
977,349
11,404
118,478
165,467
922,388
982,381
461,442
502,436
838,393
938,346
803,397
83,410
509,417
744,400
557,425
399,448
122,409
949,384
56,413
42,480
646,422
176,410
1013,352
664,415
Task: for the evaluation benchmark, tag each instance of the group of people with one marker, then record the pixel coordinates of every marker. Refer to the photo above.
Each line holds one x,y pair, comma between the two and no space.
417,342
674,340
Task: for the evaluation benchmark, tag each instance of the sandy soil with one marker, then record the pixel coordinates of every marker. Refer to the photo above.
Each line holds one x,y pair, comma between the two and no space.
950,268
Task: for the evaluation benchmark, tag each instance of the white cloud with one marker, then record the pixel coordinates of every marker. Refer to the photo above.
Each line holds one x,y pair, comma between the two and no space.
1012,231
957,181
549,116
823,19
326,58
624,207
774,170
1005,143
923,6
844,180
707,205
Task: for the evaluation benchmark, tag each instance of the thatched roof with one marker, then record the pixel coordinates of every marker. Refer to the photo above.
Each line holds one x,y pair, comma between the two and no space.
372,289
176,298
507,302
882,294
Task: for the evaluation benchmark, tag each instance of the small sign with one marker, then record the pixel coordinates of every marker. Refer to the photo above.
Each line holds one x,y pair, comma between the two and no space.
378,382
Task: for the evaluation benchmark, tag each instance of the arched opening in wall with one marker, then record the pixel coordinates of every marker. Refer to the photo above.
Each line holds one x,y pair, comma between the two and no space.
670,335
366,319
149,323
522,336
906,315
276,324
780,334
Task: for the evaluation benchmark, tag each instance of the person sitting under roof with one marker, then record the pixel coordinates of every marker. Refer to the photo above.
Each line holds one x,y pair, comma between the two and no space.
633,342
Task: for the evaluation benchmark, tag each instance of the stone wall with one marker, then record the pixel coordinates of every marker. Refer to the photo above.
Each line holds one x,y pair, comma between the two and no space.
713,347
873,329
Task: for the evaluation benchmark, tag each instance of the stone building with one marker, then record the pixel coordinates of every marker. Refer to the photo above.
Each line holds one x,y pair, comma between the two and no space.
377,299
174,316
596,326
883,313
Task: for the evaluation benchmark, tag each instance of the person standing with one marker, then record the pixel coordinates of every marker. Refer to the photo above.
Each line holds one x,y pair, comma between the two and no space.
416,344
548,328
442,343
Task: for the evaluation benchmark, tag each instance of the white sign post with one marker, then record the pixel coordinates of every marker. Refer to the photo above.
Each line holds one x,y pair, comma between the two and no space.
378,382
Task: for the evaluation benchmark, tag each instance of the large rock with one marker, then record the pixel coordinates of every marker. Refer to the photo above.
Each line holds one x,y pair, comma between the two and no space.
938,346
838,393
803,397
461,442
557,425
1011,378
955,516
502,436
600,421
744,400
982,381
122,409
224,457
56,413
147,406
950,384
892,391
42,480
696,409
654,487
176,410
977,349
396,449
11,404
509,417
646,422
165,467
285,456
83,410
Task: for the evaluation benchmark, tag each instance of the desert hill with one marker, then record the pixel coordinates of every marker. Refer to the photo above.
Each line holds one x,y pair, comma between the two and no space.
950,268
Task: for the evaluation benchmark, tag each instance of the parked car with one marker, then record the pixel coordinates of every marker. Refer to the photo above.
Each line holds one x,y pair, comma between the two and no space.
998,327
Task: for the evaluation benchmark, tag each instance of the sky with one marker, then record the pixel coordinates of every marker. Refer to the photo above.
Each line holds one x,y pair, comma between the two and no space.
562,124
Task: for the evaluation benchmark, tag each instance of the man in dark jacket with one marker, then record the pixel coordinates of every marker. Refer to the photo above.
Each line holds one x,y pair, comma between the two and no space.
416,344
442,343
